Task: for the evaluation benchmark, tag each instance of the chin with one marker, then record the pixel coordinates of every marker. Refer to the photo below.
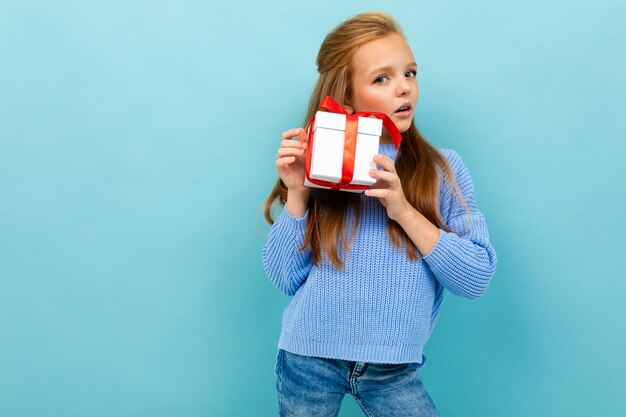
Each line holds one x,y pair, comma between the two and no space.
403,125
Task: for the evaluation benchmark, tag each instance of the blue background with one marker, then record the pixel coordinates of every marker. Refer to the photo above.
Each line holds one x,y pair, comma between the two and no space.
137,143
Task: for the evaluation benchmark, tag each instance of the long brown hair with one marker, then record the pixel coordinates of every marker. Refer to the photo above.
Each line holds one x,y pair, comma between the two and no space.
418,163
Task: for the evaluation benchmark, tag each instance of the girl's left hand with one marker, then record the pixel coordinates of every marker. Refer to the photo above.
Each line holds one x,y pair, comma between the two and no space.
388,188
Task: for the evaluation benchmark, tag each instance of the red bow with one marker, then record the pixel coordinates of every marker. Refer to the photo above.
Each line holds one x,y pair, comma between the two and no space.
349,149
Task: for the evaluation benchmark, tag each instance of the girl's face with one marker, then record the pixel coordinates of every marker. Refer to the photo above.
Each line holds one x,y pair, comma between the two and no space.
384,80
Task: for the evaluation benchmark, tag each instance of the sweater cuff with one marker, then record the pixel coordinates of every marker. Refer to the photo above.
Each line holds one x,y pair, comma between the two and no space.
438,254
286,220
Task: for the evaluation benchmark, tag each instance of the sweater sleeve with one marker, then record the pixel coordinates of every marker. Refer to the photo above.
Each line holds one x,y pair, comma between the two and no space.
285,264
463,261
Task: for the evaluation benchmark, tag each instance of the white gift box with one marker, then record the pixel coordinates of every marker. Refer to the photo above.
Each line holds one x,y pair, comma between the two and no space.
327,149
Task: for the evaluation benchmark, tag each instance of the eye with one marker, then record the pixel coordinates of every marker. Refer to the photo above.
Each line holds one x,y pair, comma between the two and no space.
381,79
411,74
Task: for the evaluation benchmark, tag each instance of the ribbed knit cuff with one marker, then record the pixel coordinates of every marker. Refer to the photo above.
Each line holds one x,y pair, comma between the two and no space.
458,266
438,253
285,221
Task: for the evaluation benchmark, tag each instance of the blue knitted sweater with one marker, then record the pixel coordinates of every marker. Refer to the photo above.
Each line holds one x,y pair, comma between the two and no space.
382,307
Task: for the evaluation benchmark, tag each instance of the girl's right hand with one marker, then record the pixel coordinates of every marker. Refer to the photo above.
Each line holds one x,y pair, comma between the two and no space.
290,160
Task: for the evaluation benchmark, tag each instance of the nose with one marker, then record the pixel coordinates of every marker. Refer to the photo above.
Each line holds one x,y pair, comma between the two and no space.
404,87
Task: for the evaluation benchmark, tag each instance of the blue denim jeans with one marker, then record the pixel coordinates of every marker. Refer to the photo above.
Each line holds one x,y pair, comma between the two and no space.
309,386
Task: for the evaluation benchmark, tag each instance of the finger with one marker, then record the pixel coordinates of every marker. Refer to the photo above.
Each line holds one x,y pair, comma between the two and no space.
283,162
385,162
378,192
288,143
288,134
390,177
282,152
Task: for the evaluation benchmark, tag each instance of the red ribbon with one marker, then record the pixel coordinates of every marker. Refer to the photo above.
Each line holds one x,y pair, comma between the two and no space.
349,148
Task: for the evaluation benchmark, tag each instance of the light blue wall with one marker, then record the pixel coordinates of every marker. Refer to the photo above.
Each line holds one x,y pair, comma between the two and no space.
137,142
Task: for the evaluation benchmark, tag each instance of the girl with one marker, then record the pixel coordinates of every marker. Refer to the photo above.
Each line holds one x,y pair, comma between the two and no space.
367,271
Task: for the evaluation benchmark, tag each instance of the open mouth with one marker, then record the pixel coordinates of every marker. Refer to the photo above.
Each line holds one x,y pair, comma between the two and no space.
404,109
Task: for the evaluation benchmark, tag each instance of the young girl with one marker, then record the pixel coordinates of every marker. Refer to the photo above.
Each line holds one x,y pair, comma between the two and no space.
368,271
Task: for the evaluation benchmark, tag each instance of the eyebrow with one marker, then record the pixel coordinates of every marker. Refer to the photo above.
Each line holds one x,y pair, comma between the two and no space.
387,68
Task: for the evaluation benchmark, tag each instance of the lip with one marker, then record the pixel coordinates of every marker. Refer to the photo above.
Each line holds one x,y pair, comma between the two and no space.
405,113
